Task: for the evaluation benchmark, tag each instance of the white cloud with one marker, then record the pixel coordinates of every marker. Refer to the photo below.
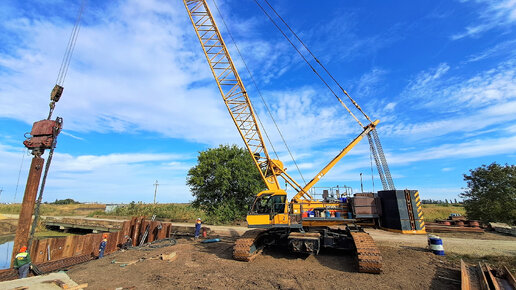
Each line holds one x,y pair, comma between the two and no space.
469,149
133,69
304,120
491,14
109,178
506,47
460,95
71,135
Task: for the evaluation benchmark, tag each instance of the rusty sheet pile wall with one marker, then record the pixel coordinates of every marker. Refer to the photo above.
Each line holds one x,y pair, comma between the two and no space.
56,253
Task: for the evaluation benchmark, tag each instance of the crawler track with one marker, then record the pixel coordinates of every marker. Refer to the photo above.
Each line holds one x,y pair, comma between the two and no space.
245,248
368,255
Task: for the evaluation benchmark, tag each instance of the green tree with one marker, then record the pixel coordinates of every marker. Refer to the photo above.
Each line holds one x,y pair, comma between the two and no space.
224,182
491,193
65,201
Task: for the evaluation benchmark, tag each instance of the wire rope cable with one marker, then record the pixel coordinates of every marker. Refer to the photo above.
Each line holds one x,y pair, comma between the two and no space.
375,146
309,64
372,171
317,60
262,98
19,174
65,63
63,70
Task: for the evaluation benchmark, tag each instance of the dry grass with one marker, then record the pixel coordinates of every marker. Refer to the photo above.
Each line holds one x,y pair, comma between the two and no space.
432,212
56,209
178,212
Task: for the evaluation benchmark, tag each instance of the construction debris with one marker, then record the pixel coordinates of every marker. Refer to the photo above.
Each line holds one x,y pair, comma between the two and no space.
58,280
455,223
169,257
503,228
482,276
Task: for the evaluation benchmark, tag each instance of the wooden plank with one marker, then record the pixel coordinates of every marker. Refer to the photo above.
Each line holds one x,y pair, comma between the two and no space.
494,280
484,284
465,279
80,286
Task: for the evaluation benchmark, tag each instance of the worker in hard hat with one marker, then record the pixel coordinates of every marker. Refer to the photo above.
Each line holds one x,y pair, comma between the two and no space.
198,224
22,262
102,246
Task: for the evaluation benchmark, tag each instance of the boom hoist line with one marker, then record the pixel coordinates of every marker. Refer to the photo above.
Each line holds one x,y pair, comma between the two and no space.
239,106
372,136
44,133
262,98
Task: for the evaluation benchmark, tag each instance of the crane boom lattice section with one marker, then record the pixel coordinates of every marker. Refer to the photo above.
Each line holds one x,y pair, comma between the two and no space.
231,87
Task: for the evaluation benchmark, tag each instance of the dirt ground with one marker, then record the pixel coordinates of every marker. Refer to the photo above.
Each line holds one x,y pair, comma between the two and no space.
210,266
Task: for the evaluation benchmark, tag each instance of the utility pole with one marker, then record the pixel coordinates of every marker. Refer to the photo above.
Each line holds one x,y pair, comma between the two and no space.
361,184
155,190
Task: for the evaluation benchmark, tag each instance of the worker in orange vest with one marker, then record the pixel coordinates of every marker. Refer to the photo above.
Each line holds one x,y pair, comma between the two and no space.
22,262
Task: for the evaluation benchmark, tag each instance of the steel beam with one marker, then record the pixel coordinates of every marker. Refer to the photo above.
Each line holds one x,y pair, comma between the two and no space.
29,199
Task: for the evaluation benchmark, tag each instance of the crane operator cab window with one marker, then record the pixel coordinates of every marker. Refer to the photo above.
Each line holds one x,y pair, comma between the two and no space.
269,204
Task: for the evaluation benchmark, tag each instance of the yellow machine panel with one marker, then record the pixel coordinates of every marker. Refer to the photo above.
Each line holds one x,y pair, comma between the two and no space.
258,219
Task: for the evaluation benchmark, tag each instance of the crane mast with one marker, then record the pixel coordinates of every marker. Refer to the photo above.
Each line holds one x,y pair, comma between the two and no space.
232,89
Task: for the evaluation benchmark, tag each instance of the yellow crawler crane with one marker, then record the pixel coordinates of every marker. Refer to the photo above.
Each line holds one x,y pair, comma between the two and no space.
274,220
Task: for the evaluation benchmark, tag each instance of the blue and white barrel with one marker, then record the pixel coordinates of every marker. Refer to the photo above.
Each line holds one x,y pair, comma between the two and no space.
436,245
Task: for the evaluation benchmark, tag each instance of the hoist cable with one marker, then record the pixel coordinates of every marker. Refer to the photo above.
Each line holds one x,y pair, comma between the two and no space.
262,98
19,174
308,63
376,148
63,70
317,60
372,171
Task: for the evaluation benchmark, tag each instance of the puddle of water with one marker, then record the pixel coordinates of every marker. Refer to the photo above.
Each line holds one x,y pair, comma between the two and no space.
6,249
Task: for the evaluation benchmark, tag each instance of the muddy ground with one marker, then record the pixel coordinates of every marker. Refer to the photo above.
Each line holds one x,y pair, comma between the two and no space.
210,266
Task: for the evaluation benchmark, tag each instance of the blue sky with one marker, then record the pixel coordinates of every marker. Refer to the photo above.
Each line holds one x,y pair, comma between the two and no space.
140,101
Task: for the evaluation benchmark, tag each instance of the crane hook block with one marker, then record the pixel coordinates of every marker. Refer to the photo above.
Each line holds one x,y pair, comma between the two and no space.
56,93
43,134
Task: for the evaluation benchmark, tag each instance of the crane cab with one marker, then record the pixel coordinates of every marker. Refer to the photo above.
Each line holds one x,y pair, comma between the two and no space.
269,209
